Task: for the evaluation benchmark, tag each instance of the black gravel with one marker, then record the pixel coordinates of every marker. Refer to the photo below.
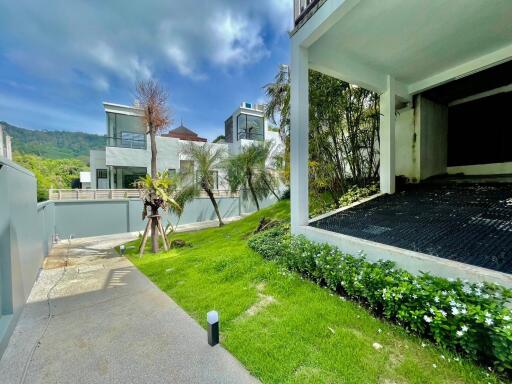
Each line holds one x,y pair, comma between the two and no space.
463,222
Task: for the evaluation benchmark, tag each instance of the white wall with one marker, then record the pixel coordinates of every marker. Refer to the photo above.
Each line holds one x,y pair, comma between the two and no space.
96,161
433,137
407,149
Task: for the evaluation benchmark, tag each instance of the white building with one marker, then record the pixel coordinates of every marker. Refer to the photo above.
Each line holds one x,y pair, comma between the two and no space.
443,70
127,155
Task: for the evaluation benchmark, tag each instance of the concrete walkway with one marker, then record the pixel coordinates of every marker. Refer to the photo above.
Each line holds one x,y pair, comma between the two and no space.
109,324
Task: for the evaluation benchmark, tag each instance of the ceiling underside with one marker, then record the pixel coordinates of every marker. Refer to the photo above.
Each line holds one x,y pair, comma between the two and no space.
415,39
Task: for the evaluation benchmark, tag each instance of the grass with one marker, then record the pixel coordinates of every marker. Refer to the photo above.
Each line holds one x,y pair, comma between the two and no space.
288,330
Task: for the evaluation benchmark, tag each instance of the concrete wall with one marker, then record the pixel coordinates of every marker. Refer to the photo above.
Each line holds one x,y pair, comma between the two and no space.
406,144
26,232
106,217
433,140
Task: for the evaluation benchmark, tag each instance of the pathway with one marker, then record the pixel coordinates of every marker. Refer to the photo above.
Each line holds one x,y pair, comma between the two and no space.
109,324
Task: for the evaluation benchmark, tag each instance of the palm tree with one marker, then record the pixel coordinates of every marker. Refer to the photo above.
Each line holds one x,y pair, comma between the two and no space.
163,192
207,158
250,170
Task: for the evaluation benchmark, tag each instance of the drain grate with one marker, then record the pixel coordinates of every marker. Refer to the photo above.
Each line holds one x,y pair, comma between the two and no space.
467,223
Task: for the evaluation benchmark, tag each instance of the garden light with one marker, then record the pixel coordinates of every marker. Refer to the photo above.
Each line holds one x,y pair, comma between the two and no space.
213,327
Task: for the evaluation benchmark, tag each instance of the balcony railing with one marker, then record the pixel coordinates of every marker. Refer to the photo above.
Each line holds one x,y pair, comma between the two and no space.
128,142
115,194
301,9
250,136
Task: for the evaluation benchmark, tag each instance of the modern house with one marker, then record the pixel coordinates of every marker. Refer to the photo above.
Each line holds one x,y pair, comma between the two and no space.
443,71
5,144
127,155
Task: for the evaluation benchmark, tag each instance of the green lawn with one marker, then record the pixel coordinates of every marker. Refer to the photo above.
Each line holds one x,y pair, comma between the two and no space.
288,330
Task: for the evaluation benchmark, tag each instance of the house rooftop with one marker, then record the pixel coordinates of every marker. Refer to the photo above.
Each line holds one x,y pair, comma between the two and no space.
184,133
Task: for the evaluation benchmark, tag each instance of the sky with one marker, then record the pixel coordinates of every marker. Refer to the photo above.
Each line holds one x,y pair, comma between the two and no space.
60,59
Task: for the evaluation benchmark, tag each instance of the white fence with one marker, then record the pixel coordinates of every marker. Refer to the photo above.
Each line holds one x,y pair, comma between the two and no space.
114,194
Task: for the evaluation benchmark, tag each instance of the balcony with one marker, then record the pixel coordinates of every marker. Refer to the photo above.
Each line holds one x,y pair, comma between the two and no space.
303,9
128,140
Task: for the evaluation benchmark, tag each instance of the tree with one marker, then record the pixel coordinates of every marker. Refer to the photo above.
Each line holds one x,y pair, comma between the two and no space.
208,158
153,100
163,192
219,139
250,170
343,130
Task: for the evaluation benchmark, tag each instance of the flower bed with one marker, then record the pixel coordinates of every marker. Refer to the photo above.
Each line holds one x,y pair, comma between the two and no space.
469,318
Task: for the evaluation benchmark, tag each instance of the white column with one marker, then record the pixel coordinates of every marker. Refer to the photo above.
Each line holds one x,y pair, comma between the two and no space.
8,147
1,141
299,136
387,138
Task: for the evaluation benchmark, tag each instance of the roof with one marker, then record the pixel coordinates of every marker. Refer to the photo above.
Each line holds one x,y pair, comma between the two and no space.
182,130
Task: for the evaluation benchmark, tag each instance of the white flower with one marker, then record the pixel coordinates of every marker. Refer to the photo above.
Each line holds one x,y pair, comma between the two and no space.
464,328
489,321
442,357
506,318
463,311
444,293
414,296
453,303
423,345
379,330
427,319
436,299
456,359
460,333
485,296
442,313
431,310
455,311
467,290
487,314
434,365
480,284
478,292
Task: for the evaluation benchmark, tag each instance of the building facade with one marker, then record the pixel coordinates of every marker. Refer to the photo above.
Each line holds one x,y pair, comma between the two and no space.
127,155
444,76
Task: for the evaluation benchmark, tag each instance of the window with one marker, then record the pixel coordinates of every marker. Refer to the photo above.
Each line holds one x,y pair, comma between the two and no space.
250,127
171,172
133,140
101,174
228,130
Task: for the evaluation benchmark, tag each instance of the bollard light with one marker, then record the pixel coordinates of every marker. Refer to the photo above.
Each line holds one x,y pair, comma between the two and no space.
213,327
122,249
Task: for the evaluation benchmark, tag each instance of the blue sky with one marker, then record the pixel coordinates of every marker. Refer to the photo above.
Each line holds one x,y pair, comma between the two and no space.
59,62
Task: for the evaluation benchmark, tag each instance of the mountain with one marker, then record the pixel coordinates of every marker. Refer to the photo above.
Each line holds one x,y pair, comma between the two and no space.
53,144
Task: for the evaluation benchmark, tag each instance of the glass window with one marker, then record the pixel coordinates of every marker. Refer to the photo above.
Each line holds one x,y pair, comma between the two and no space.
171,172
250,127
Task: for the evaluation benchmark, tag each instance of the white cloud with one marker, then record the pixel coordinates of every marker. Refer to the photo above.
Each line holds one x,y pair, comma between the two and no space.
131,40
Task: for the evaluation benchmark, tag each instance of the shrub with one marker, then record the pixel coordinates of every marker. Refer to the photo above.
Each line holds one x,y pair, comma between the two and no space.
470,318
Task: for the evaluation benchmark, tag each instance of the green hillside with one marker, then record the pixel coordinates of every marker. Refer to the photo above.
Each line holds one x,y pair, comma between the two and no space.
53,144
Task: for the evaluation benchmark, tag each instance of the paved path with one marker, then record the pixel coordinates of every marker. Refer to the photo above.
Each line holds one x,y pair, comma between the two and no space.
110,324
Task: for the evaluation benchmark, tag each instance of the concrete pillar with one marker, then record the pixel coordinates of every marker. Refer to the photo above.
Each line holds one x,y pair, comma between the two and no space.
2,152
387,138
8,147
299,136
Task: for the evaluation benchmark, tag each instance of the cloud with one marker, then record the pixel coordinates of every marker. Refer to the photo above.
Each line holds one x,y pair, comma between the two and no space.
134,40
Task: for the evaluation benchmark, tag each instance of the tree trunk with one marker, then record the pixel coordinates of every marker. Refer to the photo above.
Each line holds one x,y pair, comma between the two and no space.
215,206
154,210
251,188
270,188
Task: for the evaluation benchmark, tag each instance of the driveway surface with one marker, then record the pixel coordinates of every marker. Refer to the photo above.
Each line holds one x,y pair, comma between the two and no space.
108,324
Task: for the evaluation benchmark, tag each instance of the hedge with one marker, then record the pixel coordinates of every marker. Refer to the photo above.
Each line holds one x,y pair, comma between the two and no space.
469,318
